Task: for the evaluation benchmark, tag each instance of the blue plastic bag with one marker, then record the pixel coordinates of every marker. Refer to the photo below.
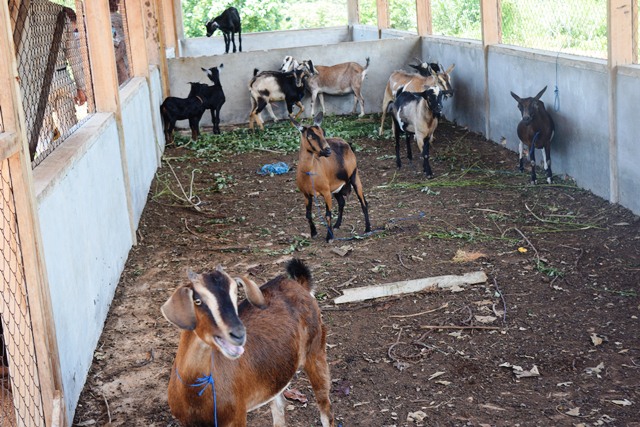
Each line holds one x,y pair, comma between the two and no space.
274,169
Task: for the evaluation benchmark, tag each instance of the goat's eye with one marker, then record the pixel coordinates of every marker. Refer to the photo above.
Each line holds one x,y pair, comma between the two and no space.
197,301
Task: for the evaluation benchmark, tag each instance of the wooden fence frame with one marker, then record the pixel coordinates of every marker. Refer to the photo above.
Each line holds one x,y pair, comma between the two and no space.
147,50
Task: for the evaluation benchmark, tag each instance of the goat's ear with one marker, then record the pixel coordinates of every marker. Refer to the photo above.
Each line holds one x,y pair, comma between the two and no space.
296,124
317,120
540,93
219,268
253,292
516,97
178,309
415,67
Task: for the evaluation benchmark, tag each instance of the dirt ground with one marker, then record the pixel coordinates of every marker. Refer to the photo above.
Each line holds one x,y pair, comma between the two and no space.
561,298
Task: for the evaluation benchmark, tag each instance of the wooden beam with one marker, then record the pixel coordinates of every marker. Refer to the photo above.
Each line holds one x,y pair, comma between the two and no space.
620,32
137,38
164,67
178,24
353,12
382,7
491,22
9,145
410,286
168,23
424,18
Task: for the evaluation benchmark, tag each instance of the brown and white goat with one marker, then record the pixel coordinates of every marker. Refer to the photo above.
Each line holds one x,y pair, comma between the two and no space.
414,82
271,86
233,358
535,130
417,114
327,166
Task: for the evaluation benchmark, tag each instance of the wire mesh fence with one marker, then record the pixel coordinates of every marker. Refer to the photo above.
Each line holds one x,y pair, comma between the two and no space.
457,18
569,26
53,69
20,396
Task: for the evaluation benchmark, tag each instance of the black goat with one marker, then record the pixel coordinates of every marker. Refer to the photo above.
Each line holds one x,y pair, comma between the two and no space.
535,130
270,86
417,114
214,96
201,97
229,23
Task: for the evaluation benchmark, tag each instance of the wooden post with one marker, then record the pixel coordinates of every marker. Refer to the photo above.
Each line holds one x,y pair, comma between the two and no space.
620,28
15,150
353,12
164,68
105,83
424,18
491,34
383,16
167,21
137,38
178,25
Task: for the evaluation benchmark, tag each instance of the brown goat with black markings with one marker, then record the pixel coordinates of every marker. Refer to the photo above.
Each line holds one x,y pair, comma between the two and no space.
414,82
233,358
535,130
327,166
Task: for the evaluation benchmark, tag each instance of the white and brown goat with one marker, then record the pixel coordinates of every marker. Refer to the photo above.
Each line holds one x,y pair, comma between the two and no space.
326,167
271,86
233,358
535,130
417,114
425,77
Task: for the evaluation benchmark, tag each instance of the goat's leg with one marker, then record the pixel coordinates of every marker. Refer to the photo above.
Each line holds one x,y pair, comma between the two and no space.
358,98
194,125
396,131
300,109
357,187
309,215
314,95
532,160
226,42
317,370
240,39
341,203
425,157
546,158
233,40
521,156
321,96
327,215
409,151
277,411
386,100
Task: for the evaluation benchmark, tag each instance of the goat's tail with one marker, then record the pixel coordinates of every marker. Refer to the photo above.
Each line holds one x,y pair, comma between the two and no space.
367,64
300,273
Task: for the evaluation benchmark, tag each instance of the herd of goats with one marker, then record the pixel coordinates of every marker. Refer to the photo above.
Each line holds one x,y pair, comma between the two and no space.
230,358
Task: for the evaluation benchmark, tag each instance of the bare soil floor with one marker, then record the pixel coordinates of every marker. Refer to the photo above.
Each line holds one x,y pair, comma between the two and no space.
561,299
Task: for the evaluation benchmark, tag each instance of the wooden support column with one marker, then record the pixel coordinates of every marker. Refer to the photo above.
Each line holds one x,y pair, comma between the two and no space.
620,27
178,25
491,34
164,67
382,7
353,12
14,148
105,82
168,23
137,38
424,18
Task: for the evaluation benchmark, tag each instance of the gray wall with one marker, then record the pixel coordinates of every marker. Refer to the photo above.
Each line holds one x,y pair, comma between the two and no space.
86,211
584,146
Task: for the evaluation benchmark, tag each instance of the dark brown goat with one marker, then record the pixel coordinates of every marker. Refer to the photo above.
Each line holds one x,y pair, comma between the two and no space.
233,358
535,130
327,166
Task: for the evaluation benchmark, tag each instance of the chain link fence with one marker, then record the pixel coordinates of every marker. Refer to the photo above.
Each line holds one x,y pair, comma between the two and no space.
457,18
20,396
569,26
53,69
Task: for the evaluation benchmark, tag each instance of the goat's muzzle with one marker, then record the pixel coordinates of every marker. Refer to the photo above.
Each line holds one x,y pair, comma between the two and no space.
325,152
233,345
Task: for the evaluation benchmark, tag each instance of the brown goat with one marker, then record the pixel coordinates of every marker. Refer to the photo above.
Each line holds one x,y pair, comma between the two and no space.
234,358
535,130
414,82
327,166
339,79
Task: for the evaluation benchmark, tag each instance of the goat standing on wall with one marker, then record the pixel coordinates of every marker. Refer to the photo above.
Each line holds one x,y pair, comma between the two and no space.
233,358
326,167
535,130
229,23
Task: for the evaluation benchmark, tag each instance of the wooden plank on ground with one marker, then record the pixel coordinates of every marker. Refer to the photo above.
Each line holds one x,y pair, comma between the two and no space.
410,286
